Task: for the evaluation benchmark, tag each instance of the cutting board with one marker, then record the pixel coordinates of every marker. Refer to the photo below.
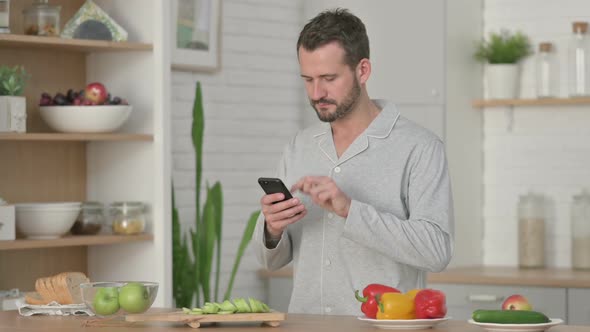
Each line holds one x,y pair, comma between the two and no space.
272,318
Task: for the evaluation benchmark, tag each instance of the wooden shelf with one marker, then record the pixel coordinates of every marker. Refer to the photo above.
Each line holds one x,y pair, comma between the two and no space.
75,45
73,241
74,137
530,102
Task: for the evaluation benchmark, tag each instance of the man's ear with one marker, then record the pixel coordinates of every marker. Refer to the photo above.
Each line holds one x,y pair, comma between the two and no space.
363,70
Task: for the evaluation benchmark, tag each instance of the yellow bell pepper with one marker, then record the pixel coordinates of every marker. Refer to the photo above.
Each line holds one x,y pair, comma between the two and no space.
395,306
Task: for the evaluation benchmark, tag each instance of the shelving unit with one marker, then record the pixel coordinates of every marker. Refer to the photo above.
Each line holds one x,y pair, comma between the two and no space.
508,105
75,45
530,102
129,165
73,241
75,137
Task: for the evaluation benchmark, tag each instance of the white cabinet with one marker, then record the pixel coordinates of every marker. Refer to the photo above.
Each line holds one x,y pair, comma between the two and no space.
462,300
407,46
578,306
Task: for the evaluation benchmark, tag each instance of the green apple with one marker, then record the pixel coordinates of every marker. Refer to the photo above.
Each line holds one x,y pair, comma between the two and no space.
106,301
134,298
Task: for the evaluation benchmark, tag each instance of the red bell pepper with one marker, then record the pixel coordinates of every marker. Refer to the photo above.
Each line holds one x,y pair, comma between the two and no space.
430,303
370,305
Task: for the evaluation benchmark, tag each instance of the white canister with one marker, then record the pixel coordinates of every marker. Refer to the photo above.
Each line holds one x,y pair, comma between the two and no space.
13,114
7,219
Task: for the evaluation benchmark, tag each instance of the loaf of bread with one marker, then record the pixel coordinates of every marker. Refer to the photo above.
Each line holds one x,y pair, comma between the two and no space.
63,288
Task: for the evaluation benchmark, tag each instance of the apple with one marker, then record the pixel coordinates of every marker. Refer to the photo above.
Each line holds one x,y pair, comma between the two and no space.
96,93
516,302
134,298
106,301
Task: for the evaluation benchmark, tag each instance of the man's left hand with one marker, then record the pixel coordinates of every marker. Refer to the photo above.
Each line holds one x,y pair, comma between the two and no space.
325,193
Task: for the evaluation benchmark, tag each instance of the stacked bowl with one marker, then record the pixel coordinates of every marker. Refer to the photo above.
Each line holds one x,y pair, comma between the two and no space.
46,220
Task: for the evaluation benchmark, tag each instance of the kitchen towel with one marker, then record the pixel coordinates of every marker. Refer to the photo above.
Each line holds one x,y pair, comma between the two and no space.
54,309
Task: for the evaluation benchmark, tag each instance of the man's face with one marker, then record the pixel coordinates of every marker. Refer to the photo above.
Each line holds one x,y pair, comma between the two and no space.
331,85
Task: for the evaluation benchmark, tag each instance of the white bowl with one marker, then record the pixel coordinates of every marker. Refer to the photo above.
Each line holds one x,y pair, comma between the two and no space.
85,119
45,223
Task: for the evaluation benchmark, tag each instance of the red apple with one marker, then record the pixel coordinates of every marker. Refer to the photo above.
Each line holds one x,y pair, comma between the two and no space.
96,93
516,302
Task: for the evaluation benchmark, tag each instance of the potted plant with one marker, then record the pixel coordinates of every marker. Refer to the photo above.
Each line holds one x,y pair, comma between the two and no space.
502,52
13,106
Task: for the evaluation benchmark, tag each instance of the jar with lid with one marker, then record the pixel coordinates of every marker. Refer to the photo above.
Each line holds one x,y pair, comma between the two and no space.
580,228
4,16
42,19
547,73
127,217
531,231
578,71
90,219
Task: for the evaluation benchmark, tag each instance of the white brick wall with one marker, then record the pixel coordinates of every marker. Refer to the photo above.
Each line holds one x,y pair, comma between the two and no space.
252,108
548,149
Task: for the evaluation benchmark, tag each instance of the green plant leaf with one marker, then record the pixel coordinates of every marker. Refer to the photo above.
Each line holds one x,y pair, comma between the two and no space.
246,237
207,241
216,195
503,47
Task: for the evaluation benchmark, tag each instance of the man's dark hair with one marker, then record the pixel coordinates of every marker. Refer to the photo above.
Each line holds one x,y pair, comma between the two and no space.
337,25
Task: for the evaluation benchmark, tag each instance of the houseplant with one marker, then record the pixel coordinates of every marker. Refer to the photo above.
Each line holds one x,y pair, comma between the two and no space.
502,52
192,261
13,106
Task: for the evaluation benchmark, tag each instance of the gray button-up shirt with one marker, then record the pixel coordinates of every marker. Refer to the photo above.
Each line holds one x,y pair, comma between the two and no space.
400,223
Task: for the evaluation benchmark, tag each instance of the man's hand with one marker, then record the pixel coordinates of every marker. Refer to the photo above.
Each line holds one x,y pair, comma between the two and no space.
278,216
325,193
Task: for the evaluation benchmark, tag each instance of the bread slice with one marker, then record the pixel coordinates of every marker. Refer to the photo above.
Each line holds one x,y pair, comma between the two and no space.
34,298
72,281
43,290
58,288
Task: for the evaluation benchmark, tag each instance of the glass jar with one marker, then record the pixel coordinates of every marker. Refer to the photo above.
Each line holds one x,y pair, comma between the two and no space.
580,228
578,71
90,219
4,16
531,231
42,19
547,75
127,217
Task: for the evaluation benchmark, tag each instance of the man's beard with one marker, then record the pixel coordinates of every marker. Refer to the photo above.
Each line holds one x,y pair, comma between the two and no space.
342,109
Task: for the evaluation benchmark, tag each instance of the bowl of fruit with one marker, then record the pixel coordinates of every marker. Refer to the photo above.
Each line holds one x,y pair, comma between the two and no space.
119,298
91,110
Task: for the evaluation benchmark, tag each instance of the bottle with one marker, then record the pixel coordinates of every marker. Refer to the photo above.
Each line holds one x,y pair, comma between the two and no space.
531,231
578,77
4,16
580,228
547,75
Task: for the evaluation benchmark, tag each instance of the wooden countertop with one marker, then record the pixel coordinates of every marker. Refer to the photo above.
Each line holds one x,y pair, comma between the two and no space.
491,275
12,321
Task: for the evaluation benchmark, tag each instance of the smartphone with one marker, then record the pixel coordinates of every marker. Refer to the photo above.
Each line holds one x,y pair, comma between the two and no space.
273,186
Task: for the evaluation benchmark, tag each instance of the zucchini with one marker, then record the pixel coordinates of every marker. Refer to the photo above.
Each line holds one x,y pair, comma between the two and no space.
510,317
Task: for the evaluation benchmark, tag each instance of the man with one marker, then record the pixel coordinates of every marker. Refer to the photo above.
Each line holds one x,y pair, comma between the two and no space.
372,194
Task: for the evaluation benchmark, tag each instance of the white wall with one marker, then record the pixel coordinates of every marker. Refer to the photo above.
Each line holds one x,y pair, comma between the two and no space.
548,149
252,108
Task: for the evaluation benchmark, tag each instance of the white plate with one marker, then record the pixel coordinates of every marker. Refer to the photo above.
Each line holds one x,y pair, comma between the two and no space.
403,324
491,327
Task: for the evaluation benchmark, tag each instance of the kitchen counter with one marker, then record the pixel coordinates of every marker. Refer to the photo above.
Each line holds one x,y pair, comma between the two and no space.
12,321
492,275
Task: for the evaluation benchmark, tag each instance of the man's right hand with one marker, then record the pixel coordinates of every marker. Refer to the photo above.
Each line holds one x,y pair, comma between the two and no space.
279,215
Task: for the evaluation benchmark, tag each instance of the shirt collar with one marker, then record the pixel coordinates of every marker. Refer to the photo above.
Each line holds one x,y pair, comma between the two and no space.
378,128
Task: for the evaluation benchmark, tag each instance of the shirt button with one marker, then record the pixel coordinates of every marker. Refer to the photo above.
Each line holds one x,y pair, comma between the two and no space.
328,309
330,215
328,262
337,169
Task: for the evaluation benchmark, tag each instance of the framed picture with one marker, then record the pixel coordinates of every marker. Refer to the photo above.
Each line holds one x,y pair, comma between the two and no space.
195,34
